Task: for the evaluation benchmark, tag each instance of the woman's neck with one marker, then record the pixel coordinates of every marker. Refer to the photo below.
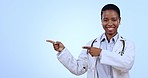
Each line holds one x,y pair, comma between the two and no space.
109,36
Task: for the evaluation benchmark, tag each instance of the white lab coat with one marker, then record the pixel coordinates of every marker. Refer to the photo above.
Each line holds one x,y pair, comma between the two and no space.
85,62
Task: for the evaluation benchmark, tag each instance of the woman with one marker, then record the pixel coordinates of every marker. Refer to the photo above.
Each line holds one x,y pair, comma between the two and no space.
108,56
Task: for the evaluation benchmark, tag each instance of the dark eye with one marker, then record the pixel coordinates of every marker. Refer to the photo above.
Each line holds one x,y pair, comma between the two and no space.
105,20
114,19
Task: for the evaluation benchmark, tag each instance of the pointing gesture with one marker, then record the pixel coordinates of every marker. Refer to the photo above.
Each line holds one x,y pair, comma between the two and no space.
93,50
50,41
58,46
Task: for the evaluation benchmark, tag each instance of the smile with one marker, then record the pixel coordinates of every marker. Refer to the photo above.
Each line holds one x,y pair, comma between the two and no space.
110,29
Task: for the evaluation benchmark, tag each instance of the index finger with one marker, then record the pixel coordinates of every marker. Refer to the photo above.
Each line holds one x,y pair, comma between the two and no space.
50,41
86,47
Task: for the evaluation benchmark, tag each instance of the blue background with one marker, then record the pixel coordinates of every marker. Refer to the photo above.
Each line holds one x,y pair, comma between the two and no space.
25,25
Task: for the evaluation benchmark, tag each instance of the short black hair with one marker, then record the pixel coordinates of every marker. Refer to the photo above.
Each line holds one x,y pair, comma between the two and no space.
110,7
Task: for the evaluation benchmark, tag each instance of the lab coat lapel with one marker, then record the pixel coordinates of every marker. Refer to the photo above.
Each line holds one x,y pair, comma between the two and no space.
118,45
97,43
93,60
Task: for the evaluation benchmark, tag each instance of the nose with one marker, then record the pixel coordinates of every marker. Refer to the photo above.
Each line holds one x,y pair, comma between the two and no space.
110,23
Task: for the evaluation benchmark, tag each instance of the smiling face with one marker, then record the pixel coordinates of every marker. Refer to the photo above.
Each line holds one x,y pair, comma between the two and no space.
110,22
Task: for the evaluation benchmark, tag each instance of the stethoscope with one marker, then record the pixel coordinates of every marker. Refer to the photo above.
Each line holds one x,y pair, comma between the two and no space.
121,52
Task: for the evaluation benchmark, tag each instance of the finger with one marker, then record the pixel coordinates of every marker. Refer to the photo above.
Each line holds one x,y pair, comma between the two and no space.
58,42
86,47
56,45
50,41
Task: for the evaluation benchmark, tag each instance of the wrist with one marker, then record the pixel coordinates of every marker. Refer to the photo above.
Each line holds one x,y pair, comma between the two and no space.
61,49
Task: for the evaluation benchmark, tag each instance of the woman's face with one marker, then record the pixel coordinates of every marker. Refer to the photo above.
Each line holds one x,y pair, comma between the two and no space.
110,22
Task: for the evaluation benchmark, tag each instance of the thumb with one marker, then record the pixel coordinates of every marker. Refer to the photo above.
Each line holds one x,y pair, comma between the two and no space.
61,46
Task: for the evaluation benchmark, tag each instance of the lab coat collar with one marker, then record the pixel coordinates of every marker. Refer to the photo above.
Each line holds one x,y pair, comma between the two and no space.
115,38
101,38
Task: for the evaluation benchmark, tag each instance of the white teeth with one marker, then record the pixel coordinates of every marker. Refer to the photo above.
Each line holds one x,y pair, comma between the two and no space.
110,28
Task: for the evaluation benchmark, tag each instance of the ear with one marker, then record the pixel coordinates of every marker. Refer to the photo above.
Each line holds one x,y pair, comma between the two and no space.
119,19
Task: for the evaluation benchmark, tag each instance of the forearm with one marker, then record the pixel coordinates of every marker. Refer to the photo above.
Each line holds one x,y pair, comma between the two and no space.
73,65
122,63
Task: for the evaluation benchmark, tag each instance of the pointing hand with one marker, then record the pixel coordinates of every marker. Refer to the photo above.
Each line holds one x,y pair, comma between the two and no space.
93,50
58,46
